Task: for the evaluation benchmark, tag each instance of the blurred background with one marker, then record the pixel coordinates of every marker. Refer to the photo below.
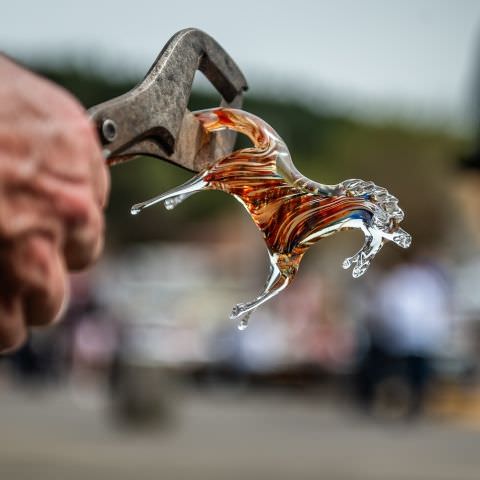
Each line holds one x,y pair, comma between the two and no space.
336,378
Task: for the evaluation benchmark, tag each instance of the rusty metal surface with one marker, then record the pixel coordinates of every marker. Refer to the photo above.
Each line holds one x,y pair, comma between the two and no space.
153,119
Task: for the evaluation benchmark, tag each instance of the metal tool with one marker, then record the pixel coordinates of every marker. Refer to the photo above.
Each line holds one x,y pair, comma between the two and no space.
152,119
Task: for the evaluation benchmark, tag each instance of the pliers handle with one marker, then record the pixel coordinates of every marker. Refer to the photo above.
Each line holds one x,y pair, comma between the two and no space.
152,119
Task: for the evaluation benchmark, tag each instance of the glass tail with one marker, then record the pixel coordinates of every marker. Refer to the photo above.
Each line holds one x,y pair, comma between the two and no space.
173,197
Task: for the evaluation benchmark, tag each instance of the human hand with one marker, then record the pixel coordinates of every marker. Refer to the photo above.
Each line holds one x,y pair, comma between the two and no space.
53,187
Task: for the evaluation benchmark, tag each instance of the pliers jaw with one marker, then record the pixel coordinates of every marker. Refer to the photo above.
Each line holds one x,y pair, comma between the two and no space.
152,119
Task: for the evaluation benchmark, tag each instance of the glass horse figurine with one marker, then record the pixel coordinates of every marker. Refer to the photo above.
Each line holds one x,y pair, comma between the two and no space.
292,211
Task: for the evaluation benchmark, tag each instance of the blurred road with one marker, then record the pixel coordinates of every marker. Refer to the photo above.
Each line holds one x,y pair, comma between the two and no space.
219,436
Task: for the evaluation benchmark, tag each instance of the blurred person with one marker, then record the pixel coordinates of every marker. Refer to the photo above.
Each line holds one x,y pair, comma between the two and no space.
408,323
95,339
466,190
39,361
53,187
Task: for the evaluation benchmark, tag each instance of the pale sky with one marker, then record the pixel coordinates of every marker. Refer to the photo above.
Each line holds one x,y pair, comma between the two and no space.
396,56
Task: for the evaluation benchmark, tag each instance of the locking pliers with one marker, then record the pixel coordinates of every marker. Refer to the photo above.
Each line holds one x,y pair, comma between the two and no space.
152,119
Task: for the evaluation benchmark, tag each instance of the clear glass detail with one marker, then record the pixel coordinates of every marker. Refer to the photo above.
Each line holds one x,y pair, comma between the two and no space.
292,211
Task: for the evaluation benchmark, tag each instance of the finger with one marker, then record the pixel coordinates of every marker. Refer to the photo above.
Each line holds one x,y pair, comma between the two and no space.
99,172
39,271
82,224
84,239
13,332
86,164
43,303
101,183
